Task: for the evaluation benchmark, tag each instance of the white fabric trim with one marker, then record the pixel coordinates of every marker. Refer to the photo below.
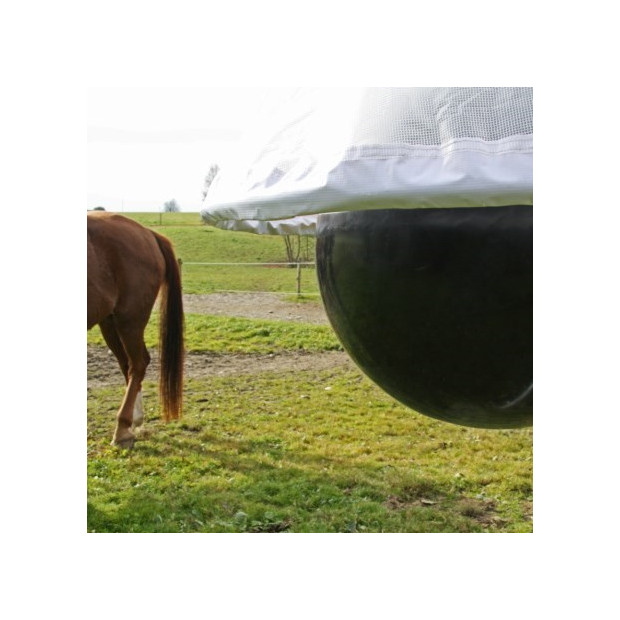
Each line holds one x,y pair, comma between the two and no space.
304,226
299,173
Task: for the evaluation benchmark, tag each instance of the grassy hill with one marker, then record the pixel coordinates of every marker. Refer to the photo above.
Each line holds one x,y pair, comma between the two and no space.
196,243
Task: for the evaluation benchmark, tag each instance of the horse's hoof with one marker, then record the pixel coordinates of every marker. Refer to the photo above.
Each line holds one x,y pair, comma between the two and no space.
124,444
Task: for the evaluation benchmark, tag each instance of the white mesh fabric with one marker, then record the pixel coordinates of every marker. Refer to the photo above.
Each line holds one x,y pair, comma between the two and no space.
438,116
327,150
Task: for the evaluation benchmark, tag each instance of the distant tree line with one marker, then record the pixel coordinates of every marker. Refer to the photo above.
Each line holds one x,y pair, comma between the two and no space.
171,206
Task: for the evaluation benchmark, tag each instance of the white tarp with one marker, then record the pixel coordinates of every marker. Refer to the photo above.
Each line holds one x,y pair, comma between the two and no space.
329,150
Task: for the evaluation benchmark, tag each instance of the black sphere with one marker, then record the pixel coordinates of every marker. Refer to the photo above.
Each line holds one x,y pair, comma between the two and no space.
435,306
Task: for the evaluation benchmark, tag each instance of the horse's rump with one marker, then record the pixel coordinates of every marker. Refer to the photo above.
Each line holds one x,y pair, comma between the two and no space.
125,267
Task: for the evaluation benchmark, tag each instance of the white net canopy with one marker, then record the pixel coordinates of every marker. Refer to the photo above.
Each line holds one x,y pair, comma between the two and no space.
330,150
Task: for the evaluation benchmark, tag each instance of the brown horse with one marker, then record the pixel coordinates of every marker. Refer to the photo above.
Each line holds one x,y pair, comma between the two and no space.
128,265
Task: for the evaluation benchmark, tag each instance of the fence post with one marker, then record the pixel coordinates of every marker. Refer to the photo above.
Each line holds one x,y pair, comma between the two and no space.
298,278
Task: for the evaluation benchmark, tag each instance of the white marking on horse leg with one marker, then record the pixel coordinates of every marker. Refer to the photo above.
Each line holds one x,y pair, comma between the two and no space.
138,411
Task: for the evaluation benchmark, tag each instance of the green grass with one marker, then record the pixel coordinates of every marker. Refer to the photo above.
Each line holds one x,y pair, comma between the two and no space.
155,220
303,452
297,451
221,334
201,279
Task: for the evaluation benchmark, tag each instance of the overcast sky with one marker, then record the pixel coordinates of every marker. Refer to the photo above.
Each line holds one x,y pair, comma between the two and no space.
150,145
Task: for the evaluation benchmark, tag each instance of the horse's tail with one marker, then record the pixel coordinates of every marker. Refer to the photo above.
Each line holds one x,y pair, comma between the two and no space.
171,339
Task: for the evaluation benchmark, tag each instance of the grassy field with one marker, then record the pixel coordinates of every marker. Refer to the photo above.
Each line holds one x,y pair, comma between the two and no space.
295,451
303,452
221,334
196,243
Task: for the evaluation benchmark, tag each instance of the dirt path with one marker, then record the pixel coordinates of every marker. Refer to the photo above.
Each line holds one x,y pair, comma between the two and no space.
103,370
256,306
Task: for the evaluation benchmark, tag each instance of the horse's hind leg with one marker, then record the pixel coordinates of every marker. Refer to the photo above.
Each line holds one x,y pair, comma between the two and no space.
132,339
110,335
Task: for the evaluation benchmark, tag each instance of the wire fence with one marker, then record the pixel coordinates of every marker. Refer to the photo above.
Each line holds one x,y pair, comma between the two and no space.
297,264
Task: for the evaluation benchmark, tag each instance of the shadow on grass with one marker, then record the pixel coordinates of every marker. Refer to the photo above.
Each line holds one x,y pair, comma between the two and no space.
239,485
312,452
